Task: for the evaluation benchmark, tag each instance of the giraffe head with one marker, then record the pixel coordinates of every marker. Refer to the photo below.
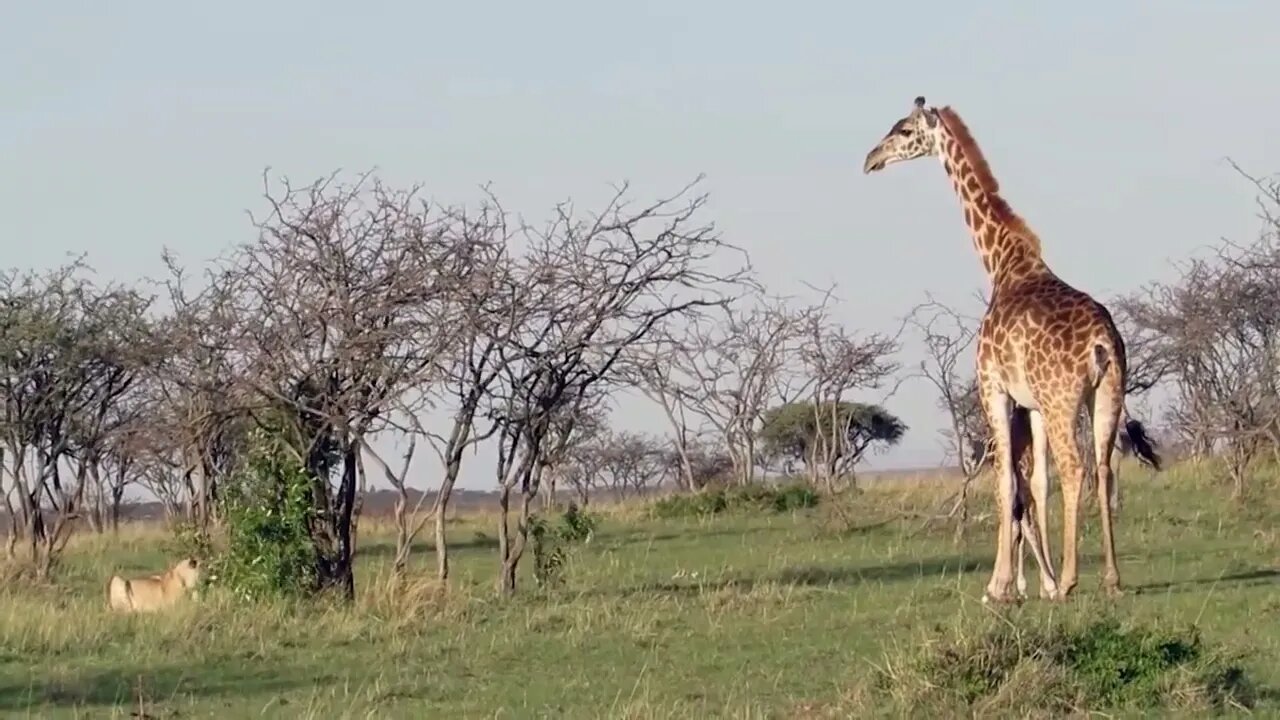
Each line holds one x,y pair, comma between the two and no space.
914,136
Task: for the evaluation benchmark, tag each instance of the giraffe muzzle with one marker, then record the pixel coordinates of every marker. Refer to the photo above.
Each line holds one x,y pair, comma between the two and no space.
874,162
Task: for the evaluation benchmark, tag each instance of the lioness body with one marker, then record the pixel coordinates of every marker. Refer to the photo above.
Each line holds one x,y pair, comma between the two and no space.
155,592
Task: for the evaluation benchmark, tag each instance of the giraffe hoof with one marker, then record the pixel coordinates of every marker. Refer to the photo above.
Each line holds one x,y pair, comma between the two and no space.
1113,591
1005,599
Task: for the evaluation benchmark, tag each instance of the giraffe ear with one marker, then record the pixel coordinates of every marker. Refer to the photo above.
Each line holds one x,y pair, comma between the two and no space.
931,118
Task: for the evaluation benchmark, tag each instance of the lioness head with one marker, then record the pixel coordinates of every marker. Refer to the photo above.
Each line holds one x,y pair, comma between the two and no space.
187,572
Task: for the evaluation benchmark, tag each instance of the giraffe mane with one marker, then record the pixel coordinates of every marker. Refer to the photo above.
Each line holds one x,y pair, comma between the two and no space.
1000,208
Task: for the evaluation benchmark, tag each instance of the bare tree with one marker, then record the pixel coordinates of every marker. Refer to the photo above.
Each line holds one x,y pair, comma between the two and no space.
340,307
734,367
948,337
71,350
836,363
585,429
628,464
651,372
593,289
198,422
488,317
1218,326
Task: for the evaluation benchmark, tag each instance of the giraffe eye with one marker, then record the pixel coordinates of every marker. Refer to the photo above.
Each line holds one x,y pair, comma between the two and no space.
905,132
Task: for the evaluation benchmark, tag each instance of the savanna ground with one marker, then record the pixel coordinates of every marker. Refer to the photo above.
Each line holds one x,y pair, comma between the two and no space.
842,610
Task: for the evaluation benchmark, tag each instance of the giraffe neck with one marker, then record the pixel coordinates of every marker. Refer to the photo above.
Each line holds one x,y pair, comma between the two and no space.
1010,251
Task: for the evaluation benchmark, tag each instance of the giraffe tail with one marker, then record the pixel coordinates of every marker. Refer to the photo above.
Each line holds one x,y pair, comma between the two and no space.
1133,433
1142,444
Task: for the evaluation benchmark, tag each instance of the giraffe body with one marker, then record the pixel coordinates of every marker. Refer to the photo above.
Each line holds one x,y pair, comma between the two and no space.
1044,350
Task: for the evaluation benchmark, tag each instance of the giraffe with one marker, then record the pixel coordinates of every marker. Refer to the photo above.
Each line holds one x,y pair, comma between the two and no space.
1045,349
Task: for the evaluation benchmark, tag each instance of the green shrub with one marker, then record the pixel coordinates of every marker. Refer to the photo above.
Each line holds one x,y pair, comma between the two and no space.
699,504
1098,666
796,496
751,498
577,525
267,510
552,543
190,540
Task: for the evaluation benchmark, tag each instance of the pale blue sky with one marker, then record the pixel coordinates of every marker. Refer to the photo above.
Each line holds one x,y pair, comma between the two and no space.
123,132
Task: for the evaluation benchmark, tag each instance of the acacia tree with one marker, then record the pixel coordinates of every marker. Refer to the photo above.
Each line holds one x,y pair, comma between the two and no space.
652,374
828,440
589,290
70,351
339,307
577,435
111,441
948,339
625,463
1218,327
732,368
481,317
836,363
199,427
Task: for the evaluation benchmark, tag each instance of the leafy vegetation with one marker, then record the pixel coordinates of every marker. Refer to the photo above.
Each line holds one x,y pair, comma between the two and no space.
1096,665
835,435
715,500
267,509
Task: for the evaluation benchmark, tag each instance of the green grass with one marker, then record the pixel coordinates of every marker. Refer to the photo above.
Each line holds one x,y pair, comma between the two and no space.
835,611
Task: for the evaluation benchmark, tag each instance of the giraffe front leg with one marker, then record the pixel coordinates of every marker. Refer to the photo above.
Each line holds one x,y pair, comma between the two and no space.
996,404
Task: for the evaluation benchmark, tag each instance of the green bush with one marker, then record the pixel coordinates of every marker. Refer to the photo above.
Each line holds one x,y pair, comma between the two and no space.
789,498
552,543
267,510
750,498
577,525
1098,666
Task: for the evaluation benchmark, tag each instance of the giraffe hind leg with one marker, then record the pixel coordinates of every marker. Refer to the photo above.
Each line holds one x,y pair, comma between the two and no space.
1060,424
1030,449
1104,411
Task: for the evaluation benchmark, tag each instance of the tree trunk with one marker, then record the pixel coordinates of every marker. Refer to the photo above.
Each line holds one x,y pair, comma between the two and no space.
117,501
344,577
442,543
506,568
403,541
441,509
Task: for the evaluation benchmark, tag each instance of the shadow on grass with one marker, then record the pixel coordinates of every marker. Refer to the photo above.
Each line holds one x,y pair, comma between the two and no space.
1247,578
610,539
156,685
388,549
821,576
620,538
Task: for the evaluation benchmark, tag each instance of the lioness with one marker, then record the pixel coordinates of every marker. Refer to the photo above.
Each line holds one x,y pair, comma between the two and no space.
152,593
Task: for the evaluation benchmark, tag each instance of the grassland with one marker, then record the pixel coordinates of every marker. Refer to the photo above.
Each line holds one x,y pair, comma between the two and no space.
826,612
